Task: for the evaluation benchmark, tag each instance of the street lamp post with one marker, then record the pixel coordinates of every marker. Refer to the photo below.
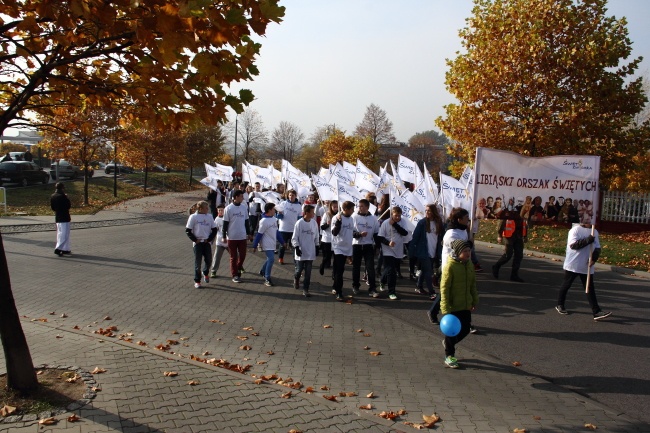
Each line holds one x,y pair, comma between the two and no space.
236,130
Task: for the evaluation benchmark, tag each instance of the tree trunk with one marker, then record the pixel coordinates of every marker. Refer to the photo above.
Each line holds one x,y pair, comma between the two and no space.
86,185
190,177
20,367
146,175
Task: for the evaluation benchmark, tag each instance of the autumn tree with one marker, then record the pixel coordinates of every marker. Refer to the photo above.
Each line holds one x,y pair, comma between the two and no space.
203,144
251,136
79,135
338,148
546,77
286,141
172,57
376,125
308,158
8,146
430,148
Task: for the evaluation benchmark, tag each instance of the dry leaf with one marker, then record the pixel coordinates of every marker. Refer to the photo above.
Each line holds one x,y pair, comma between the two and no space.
141,343
324,388
193,382
73,418
388,415
184,338
172,342
402,412
375,353
590,426
270,352
537,418
174,332
107,318
370,395
366,407
96,389
520,430
309,390
52,313
242,338
414,425
330,397
517,364
248,328
430,420
76,327
73,379
206,353
359,330
48,421
367,335
327,326
245,347
259,381
286,395
7,410
59,336
255,334
293,430
170,373
98,370
366,347
261,362
63,316
351,394
39,372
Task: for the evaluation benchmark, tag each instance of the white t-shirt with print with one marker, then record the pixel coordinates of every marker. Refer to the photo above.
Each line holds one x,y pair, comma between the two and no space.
578,260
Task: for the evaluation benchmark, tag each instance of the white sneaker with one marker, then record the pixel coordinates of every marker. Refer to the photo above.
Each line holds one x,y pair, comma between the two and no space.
197,285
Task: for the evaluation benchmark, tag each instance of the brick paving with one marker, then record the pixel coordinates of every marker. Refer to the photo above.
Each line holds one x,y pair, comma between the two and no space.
141,276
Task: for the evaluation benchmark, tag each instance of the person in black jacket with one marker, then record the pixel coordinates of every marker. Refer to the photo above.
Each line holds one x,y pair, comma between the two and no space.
60,204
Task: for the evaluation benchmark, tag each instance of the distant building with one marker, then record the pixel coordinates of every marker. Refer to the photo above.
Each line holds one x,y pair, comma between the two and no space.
27,138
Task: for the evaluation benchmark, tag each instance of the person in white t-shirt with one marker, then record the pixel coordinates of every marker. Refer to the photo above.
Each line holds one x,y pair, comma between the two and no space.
304,241
291,211
218,244
391,236
577,263
266,237
363,247
236,230
201,229
342,235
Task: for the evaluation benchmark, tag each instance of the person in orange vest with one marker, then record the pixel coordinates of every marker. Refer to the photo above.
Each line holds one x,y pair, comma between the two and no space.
514,229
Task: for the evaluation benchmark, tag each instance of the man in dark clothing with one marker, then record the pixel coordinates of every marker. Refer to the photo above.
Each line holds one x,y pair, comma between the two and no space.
28,156
6,158
60,204
514,229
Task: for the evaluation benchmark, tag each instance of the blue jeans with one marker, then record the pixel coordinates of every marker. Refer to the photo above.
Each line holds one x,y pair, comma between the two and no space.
303,265
202,251
426,275
268,264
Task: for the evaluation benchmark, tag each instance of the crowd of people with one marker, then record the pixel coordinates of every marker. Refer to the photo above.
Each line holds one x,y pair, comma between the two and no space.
440,251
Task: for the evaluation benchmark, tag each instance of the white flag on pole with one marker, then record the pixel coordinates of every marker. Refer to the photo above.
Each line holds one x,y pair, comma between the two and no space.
326,190
406,169
454,194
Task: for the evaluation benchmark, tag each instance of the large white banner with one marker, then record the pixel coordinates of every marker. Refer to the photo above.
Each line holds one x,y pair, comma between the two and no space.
554,188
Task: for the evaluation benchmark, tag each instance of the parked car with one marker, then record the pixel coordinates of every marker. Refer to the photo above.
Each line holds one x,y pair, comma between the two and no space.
22,172
68,170
110,168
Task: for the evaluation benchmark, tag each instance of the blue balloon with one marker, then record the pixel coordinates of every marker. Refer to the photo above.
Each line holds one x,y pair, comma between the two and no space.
450,325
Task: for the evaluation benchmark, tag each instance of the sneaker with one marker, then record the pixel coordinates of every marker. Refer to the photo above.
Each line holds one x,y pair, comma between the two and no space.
495,272
340,298
268,283
261,273
418,272
242,270
281,261
516,279
197,285
432,318
477,267
602,315
451,362
560,309
393,297
58,252
306,294
433,296
213,275
206,279
382,287
355,290
418,291
236,279
472,330
373,294
333,292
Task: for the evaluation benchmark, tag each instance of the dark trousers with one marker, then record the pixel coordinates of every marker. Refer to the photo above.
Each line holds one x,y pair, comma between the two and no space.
327,255
287,239
303,265
426,275
465,317
237,250
337,271
391,265
514,246
253,220
367,254
202,251
569,277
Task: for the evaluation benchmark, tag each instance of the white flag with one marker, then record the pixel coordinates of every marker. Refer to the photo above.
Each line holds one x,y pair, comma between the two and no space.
432,187
365,178
224,172
453,194
385,181
326,190
406,169
342,175
397,180
347,192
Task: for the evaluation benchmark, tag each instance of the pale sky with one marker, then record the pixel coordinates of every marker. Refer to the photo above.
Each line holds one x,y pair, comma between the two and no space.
329,59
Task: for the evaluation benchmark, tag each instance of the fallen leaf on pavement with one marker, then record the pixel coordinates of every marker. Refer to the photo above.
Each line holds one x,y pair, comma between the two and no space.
309,390
414,425
170,373
517,364
590,426
174,332
7,410
107,318
245,347
63,316
261,362
217,321
76,327
248,328
48,421
59,336
96,389
98,370
172,342
370,395
324,388
366,407
270,377
537,418
184,338
402,412
359,330
330,397
163,347
388,415
366,347
255,334
286,395
206,353
293,430
259,381
367,335
327,326
242,338
520,430
52,313
141,343
430,420
270,352
375,353
73,379
193,382
73,418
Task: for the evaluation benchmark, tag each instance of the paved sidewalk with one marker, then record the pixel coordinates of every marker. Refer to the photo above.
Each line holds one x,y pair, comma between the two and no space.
124,278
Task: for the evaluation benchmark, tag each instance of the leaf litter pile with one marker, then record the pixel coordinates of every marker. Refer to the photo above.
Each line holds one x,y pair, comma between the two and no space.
57,388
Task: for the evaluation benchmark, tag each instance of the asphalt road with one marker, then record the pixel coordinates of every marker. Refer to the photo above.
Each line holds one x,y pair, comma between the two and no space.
128,269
